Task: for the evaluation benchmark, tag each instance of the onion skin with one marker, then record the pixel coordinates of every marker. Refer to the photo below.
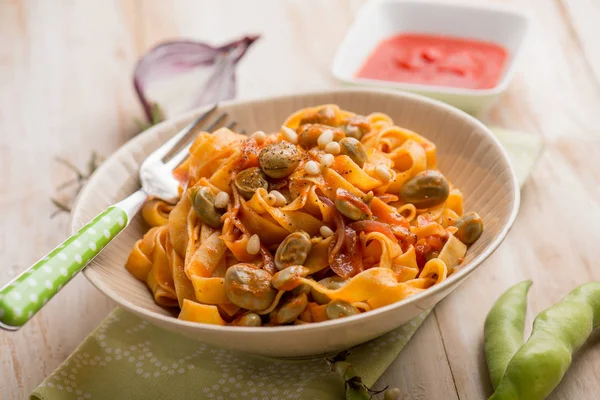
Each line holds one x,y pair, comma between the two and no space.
171,58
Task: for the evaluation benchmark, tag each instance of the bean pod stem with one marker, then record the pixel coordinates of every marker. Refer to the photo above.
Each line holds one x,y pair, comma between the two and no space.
355,389
503,330
539,365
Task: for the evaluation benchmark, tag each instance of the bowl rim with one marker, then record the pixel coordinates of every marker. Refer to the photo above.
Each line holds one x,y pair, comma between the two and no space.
337,63
462,273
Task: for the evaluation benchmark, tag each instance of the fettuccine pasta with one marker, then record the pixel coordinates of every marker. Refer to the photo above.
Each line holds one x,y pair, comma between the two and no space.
334,215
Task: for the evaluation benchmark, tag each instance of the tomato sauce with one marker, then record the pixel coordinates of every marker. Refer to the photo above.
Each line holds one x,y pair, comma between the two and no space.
436,60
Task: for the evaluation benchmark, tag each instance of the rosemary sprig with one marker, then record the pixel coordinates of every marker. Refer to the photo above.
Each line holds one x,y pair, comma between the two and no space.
78,181
81,177
157,115
60,207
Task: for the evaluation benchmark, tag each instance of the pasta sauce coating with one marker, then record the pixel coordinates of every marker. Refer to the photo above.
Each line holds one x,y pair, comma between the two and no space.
270,229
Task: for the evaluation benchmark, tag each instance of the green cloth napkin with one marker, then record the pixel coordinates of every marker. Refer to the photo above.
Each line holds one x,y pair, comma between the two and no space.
128,358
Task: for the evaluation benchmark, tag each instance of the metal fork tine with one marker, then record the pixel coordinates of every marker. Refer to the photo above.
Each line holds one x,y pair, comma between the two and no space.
219,119
183,153
179,157
231,125
174,141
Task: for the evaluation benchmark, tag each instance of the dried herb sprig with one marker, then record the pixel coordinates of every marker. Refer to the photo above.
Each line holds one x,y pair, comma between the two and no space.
80,179
157,115
164,61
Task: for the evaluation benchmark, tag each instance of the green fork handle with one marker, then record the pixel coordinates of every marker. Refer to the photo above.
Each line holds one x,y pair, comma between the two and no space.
29,292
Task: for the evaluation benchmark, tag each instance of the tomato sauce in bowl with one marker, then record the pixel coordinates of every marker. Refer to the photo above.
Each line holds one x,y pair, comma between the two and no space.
436,60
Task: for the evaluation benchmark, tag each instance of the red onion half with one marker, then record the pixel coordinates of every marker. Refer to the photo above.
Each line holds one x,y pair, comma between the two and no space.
174,58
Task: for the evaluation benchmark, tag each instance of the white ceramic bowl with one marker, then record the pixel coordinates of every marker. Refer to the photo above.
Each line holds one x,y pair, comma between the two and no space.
468,154
380,19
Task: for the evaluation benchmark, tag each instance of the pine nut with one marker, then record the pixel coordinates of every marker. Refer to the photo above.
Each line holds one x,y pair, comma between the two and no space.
221,200
271,200
311,168
253,245
326,231
289,134
333,148
383,173
327,160
352,130
280,199
368,197
325,138
259,136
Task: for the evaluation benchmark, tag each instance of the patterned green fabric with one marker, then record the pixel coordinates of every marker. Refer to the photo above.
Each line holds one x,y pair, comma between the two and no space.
128,358
30,291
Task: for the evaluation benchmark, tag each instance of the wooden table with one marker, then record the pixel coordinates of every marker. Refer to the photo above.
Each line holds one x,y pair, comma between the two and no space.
65,90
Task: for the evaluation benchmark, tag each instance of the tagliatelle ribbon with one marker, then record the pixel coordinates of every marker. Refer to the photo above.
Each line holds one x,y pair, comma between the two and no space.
388,251
198,312
453,252
375,286
160,277
156,212
354,174
292,221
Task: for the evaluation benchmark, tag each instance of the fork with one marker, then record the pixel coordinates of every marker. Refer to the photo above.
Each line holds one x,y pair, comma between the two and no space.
25,295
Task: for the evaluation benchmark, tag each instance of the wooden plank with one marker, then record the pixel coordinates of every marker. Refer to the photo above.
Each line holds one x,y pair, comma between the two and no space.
63,94
559,100
421,371
581,19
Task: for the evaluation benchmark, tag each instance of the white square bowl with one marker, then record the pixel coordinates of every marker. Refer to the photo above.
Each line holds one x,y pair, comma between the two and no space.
381,19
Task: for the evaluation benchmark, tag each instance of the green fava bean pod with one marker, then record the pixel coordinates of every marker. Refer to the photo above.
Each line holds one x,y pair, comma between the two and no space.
539,365
503,330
